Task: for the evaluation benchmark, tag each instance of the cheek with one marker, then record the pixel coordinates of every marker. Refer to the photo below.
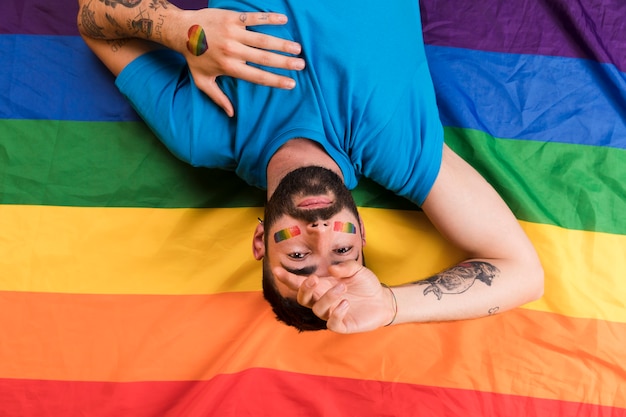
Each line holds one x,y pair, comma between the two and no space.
286,291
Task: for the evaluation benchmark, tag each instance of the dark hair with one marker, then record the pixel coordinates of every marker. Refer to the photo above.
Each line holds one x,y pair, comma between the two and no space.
287,309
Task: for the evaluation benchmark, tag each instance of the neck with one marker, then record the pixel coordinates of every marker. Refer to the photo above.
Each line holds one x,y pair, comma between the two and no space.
297,153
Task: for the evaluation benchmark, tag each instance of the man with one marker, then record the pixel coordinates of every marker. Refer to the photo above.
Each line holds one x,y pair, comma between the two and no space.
364,105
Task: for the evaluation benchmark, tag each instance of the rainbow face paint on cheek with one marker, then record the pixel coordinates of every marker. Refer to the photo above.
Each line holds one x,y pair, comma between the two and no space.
286,234
344,227
196,42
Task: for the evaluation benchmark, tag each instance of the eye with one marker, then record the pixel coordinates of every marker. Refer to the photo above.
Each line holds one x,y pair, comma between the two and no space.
297,255
343,251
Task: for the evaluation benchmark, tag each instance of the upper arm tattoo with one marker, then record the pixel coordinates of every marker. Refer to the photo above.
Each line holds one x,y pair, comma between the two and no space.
459,278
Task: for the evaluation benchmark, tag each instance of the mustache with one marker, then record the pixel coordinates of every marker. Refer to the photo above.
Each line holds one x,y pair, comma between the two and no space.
308,181
314,215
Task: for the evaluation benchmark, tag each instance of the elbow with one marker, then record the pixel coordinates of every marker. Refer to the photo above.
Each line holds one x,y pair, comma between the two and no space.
79,19
535,278
539,287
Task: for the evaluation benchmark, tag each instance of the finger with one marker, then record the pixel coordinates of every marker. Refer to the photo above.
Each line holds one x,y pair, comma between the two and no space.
263,57
212,90
346,269
262,77
337,320
269,43
329,301
307,292
290,280
261,18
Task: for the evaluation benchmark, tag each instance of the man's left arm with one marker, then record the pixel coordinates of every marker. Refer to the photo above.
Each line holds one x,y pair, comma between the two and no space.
502,272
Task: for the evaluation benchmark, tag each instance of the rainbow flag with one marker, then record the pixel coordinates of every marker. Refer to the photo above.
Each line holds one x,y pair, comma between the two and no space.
127,287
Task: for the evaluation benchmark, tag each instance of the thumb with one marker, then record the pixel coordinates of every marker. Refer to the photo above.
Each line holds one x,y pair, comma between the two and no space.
290,280
212,90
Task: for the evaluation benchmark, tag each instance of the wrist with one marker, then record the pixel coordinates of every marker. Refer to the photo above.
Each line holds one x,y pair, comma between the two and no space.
171,27
393,302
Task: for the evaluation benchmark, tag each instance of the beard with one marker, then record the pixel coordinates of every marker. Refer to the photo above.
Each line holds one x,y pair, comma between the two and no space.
304,182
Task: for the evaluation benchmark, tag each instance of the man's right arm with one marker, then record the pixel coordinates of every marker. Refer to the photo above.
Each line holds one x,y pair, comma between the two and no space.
214,42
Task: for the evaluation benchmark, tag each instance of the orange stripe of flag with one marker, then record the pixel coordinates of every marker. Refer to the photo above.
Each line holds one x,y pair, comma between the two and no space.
123,338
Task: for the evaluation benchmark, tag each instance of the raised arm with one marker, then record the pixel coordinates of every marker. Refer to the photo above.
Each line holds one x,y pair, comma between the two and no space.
214,42
503,270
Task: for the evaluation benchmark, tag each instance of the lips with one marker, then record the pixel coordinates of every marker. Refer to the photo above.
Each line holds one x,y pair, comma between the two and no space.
314,203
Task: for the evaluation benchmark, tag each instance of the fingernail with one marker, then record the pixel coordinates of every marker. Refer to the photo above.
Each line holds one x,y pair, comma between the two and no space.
295,49
299,64
290,84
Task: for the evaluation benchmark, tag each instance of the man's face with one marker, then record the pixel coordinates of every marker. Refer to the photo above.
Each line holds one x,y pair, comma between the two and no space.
311,222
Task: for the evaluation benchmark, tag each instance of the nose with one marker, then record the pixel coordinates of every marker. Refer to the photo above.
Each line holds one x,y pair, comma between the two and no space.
319,225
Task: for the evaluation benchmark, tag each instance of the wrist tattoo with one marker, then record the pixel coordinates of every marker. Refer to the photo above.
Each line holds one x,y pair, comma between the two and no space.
459,278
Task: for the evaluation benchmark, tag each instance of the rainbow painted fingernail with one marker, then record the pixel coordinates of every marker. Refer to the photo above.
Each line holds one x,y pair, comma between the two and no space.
196,42
344,227
286,234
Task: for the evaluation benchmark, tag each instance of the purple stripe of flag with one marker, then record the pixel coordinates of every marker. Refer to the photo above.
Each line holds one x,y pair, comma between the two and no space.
58,17
590,29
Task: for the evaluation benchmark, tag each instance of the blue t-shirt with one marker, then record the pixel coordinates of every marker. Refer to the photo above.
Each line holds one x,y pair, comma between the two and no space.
366,96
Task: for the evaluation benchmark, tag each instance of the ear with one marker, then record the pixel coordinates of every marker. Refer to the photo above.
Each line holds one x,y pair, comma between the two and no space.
362,229
258,242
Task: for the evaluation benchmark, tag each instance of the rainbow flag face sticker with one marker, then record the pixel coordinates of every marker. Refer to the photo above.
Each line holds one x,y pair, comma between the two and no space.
286,234
344,227
196,42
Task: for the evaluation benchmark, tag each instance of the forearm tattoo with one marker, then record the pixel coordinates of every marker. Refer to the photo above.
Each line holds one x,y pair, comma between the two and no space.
142,23
126,3
88,23
156,4
460,278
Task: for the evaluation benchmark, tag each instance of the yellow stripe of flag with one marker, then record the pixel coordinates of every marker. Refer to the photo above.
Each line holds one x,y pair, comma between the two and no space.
206,251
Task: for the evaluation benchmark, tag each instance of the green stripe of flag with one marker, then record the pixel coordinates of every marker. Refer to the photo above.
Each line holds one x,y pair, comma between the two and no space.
105,164
122,164
573,186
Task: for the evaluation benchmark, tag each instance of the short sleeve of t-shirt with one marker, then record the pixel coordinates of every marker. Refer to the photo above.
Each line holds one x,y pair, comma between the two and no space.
405,156
159,87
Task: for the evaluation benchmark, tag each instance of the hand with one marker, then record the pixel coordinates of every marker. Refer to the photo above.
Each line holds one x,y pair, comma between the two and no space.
352,300
229,47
